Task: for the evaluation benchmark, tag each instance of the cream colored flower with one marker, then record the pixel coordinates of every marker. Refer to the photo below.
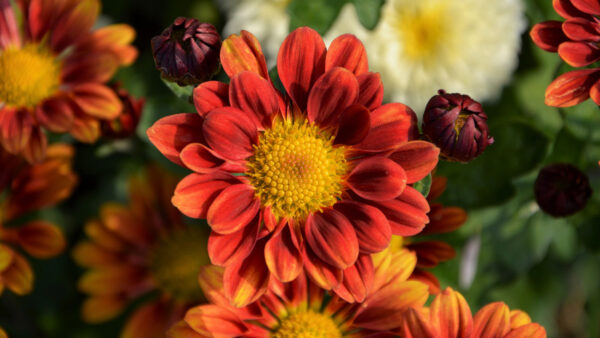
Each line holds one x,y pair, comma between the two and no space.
268,20
418,47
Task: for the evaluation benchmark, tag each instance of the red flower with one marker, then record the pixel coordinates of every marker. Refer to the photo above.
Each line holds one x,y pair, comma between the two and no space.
576,41
126,123
53,68
316,178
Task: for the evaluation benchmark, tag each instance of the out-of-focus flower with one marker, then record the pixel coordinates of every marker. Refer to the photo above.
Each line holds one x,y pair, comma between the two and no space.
575,40
316,178
302,309
187,52
139,249
466,46
268,20
54,68
25,188
562,189
457,124
126,123
449,316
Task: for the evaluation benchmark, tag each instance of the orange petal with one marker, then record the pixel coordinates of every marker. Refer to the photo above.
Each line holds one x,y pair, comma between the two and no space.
109,280
56,115
348,52
150,320
89,254
182,330
571,88
233,209
282,256
75,24
451,315
97,100
414,324
230,132
393,266
212,320
98,67
247,280
358,280
225,249
18,277
210,95
15,129
99,309
391,125
243,52
172,133
588,6
196,192
417,158
428,278
114,38
35,150
121,221
41,239
531,330
6,257
85,128
548,35
210,279
322,274
103,237
518,318
332,238
372,227
492,321
578,54
377,179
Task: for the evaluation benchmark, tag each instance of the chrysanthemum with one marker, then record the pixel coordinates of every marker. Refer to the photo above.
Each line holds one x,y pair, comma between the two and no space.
575,40
268,20
53,68
25,188
302,309
140,249
317,177
467,46
449,316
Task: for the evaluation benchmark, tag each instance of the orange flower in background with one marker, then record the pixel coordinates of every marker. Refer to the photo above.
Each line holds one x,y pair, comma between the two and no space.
26,188
139,249
302,309
54,68
315,178
449,316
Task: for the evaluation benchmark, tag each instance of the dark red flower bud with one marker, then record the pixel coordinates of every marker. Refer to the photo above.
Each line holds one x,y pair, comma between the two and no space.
126,123
457,124
187,52
561,189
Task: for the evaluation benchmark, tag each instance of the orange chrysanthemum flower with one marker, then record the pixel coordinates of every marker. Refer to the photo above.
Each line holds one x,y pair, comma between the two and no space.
25,188
449,316
140,249
302,309
53,68
315,178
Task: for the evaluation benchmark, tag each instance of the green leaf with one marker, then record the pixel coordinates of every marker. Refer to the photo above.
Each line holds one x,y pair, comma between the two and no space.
182,92
424,185
567,148
317,14
368,12
274,75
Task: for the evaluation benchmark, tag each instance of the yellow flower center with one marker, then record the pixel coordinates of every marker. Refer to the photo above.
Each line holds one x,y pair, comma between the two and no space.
176,262
29,75
423,27
296,169
307,325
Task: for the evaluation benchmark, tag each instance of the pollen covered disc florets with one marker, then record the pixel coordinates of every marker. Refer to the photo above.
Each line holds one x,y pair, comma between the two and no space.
307,325
296,169
29,75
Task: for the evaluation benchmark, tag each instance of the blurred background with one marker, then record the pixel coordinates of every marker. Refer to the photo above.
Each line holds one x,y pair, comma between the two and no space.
508,250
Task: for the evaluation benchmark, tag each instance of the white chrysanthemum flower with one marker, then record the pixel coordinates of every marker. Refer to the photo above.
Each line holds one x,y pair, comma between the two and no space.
268,20
418,47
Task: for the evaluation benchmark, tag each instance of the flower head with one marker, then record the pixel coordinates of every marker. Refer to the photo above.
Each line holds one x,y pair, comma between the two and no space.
187,52
139,249
562,189
126,123
449,316
25,188
302,309
457,124
315,178
53,68
575,40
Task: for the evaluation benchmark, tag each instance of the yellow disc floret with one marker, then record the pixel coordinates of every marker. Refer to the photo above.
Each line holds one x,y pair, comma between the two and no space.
423,26
176,261
307,325
29,75
296,169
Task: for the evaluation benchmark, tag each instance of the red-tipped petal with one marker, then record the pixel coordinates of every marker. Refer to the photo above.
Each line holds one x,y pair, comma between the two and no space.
595,93
210,95
18,276
358,280
331,95
332,238
98,67
243,52
97,100
531,330
354,125
377,179
588,6
347,51
172,133
428,278
391,125
283,258
200,158
579,54
15,129
233,209
372,227
246,280
225,249
41,239
74,24
580,29
417,158
571,88
255,96
300,62
196,192
492,321
370,90
230,132
6,257
431,253
452,315
35,150
56,115
548,35
444,219
212,320
566,9
324,275
407,214
415,324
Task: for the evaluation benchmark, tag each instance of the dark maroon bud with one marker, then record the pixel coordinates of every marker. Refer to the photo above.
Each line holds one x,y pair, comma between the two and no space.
187,52
457,125
561,189
126,123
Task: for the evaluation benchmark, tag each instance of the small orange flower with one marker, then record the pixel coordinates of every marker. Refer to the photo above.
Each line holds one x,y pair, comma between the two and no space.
138,249
314,178
449,316
302,309
54,68
25,188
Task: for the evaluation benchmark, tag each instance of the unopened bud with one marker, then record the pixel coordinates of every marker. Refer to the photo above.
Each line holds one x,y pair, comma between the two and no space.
561,189
126,123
